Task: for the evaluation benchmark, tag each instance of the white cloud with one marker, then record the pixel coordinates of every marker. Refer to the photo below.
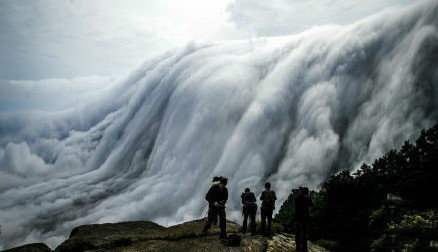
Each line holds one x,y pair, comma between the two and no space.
52,94
284,17
17,158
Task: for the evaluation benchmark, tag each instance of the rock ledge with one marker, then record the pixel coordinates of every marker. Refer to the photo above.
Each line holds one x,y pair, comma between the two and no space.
149,236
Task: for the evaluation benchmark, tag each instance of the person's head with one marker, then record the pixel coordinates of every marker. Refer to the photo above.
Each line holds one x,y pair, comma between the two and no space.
216,179
223,182
247,190
268,185
304,190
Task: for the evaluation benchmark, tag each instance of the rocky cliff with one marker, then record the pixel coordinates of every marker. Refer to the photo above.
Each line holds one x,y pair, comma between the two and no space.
149,236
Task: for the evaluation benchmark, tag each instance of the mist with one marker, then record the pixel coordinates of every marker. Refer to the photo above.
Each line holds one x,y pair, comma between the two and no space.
290,110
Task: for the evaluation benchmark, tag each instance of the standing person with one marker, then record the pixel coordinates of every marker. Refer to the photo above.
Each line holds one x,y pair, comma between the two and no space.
249,209
215,182
268,199
217,197
302,204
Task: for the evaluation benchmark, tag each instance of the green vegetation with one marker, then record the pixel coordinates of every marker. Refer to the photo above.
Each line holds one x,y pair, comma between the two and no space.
391,204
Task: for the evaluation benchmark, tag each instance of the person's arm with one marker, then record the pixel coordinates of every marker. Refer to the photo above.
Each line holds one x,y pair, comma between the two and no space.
243,201
209,195
275,196
262,197
226,195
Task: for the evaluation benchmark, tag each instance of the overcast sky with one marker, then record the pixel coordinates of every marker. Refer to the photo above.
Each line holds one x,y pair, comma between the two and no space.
66,39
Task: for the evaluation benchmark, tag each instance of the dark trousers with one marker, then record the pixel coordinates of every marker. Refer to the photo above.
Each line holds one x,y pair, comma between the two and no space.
213,213
301,236
266,214
215,220
251,215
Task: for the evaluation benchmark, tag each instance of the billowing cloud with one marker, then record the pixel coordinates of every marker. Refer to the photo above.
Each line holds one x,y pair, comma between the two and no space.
51,94
283,17
292,110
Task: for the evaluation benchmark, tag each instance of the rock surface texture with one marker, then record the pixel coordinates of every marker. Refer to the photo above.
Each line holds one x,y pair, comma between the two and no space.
149,236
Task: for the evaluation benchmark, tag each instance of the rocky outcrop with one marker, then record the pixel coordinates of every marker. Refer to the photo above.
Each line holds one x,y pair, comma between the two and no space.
286,242
33,247
149,236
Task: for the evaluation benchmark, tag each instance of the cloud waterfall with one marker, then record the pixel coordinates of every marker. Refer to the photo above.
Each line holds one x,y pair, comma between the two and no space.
292,110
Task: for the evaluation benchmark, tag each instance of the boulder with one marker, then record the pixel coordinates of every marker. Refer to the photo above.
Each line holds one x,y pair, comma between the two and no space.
110,235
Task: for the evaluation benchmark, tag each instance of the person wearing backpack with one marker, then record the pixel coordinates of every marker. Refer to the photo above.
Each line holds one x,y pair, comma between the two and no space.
249,209
268,199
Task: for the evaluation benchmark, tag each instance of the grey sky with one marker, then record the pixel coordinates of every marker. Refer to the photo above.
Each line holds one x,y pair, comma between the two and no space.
66,39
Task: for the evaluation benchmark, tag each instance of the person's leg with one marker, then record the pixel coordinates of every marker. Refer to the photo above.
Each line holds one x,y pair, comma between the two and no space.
298,239
269,216
304,237
222,223
215,220
263,224
212,214
245,222
207,226
253,223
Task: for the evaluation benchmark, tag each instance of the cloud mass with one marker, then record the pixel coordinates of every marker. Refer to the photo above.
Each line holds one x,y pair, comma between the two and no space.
292,110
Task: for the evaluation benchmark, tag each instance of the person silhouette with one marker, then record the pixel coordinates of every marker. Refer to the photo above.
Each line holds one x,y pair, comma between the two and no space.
249,209
302,204
217,197
268,199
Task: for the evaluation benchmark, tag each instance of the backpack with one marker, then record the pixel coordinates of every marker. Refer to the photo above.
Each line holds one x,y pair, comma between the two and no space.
269,200
232,241
249,208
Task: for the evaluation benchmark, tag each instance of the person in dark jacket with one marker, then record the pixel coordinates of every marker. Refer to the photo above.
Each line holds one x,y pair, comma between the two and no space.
302,204
215,182
249,209
268,199
217,197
